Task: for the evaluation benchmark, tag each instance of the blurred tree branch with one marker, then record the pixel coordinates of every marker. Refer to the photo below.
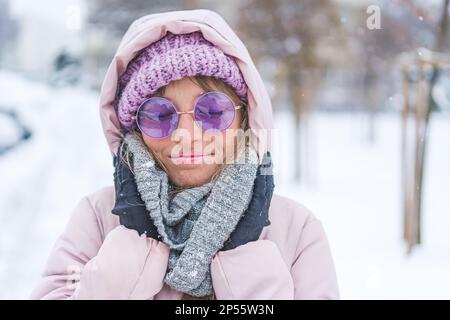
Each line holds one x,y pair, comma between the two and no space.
301,37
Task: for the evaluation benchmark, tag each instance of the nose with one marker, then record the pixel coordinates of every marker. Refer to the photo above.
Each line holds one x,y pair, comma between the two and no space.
187,125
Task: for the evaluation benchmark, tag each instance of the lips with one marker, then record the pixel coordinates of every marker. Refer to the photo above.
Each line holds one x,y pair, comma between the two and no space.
190,159
190,155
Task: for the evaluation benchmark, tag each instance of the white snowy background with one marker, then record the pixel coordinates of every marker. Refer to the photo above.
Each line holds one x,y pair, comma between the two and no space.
353,187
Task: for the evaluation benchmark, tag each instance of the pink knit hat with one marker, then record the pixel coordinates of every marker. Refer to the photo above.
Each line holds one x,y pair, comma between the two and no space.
173,57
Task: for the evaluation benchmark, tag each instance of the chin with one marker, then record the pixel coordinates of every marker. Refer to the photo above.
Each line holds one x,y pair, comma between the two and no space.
191,177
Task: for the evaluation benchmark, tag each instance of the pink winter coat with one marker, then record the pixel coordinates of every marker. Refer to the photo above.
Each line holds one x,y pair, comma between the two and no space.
97,258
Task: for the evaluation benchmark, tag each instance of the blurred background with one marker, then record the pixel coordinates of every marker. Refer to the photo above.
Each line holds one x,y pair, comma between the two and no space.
362,116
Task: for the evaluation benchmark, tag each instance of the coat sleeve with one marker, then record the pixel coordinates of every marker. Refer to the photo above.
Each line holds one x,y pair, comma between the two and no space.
82,266
257,270
313,270
253,271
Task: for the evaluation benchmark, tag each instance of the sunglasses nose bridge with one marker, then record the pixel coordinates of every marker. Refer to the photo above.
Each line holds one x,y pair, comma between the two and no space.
188,123
185,112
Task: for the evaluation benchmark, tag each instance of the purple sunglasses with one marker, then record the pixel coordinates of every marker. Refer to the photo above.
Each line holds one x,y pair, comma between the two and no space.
157,117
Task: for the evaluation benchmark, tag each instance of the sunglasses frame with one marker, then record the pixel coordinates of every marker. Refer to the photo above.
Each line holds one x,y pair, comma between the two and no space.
236,107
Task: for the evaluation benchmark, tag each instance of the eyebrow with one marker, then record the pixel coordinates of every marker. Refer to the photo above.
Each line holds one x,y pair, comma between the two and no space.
195,97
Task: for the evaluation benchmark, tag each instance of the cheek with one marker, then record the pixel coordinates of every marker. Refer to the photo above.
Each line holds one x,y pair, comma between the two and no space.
156,145
229,138
222,142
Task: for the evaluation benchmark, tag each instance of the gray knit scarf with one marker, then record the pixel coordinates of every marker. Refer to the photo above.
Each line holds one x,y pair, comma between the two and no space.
195,222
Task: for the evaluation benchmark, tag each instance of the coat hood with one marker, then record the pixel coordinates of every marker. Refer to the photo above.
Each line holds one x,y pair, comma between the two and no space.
150,28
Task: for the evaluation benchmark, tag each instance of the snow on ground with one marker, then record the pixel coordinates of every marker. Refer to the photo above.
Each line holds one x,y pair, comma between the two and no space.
43,179
352,186
355,190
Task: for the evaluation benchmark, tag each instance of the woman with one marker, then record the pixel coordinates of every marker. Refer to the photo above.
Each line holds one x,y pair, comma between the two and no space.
191,214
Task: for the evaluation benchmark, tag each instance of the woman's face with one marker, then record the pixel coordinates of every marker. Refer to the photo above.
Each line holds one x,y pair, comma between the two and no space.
190,155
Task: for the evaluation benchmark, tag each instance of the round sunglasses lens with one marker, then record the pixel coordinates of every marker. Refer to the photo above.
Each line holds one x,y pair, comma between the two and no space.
214,111
157,117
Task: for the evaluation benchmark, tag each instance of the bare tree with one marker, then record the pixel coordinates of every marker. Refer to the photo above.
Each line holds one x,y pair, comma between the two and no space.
426,70
292,33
